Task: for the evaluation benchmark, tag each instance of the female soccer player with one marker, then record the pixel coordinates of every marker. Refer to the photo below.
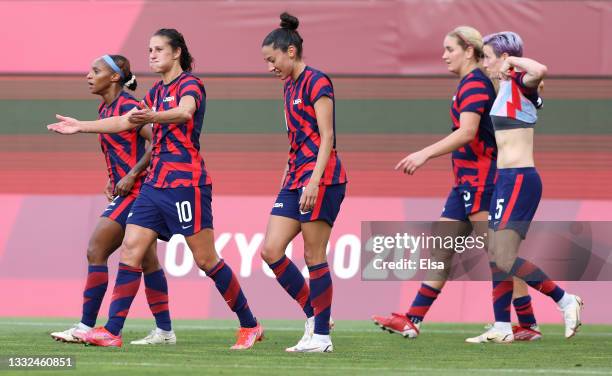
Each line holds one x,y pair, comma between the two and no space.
518,188
126,160
176,196
474,152
313,184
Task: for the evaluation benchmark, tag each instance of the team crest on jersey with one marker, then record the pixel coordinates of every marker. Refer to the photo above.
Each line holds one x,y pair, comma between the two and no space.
297,101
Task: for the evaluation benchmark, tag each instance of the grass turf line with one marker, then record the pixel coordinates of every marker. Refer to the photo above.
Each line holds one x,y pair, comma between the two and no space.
360,348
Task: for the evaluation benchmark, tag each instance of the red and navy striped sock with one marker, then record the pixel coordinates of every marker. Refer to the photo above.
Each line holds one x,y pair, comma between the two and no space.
502,293
95,288
321,292
524,311
229,287
126,287
536,278
156,289
289,276
422,302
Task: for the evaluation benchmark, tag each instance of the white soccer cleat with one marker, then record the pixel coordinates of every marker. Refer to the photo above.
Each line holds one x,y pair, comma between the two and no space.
571,315
318,343
157,337
308,333
76,334
492,335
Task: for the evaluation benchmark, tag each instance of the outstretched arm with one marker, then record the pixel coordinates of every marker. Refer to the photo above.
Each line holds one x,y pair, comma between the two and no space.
114,124
468,121
181,114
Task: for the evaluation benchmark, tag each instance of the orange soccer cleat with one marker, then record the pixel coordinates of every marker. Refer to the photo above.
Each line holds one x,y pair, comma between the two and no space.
101,337
246,337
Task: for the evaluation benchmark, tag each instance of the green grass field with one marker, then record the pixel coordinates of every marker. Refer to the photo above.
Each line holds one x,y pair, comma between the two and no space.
360,349
353,116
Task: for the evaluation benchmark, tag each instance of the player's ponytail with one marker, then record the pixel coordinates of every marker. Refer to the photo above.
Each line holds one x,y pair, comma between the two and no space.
176,40
128,79
286,35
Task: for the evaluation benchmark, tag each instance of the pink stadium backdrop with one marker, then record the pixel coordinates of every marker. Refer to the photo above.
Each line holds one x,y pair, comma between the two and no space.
390,37
46,278
43,237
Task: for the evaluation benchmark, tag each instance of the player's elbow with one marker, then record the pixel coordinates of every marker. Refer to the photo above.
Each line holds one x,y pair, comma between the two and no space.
468,135
185,116
125,124
541,71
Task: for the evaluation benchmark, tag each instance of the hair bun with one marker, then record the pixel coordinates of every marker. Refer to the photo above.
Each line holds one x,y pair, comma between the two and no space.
288,21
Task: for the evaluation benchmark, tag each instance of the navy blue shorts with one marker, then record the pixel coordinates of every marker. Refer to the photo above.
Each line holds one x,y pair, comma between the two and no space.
118,209
515,200
326,208
464,201
181,210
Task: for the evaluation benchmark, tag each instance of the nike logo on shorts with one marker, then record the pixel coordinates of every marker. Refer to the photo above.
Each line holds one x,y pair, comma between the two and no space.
186,227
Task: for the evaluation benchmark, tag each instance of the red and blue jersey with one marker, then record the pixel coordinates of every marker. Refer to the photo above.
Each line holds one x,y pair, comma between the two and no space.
176,159
121,150
303,130
474,164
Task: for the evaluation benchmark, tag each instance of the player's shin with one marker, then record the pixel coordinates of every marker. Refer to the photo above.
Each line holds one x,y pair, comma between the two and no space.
289,277
321,291
229,287
126,287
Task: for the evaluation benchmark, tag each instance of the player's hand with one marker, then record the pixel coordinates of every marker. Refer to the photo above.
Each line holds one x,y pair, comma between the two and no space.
108,191
412,162
505,70
309,197
124,187
66,125
143,115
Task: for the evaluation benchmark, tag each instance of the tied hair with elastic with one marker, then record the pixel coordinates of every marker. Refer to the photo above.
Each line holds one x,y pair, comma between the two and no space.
130,81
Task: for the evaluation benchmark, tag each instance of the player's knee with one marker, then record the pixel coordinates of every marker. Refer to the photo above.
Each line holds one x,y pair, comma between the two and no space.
206,262
271,253
96,255
130,252
314,256
504,261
